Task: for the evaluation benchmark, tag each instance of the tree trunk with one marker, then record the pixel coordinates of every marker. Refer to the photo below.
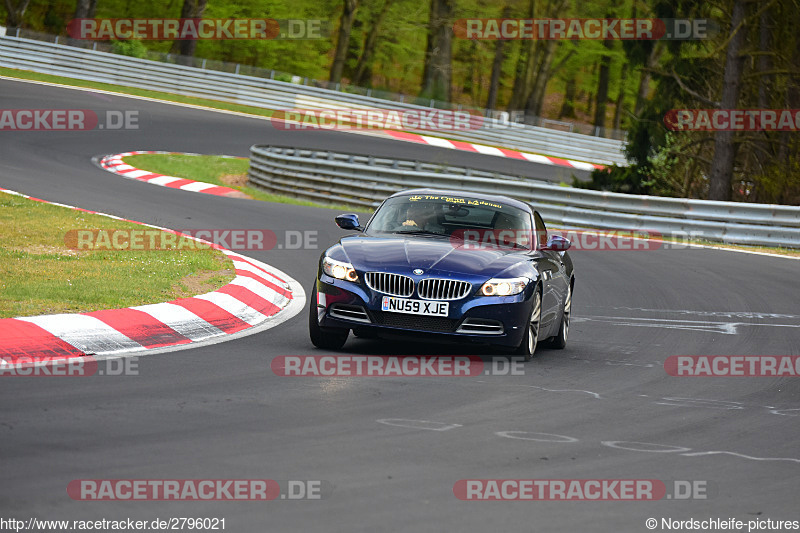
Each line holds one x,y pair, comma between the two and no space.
84,9
437,73
568,107
497,67
764,60
644,81
620,97
533,107
15,12
525,66
363,75
343,40
192,9
724,148
602,91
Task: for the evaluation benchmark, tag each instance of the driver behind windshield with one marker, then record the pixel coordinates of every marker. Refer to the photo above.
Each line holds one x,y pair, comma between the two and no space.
421,216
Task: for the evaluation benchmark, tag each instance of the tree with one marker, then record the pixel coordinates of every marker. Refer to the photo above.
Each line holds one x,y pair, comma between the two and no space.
192,9
363,73
603,80
497,66
437,74
724,148
343,40
15,12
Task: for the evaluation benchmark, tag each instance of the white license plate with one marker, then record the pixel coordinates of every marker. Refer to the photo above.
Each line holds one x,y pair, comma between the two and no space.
414,307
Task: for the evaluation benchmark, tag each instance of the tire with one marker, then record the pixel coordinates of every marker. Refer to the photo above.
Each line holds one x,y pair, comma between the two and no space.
324,338
531,338
559,342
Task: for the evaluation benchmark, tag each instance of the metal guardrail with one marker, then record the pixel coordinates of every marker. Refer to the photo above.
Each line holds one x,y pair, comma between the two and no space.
330,177
97,66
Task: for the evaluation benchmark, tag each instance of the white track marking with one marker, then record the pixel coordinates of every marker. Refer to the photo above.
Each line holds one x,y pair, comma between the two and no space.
518,435
648,446
743,456
417,424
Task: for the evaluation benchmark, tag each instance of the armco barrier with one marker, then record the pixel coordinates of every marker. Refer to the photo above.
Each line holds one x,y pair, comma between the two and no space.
330,177
103,67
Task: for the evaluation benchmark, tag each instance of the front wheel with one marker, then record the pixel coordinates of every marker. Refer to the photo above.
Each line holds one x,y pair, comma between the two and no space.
325,338
559,342
528,345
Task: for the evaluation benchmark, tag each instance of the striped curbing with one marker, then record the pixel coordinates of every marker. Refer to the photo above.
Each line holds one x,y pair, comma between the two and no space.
491,150
256,296
114,163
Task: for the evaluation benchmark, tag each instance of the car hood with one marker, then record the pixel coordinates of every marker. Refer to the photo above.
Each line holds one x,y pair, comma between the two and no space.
434,255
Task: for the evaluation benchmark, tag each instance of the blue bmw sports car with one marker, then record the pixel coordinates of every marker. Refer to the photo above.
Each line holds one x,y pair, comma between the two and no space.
450,265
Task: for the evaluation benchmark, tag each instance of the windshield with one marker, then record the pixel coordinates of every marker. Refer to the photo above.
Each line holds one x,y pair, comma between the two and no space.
452,216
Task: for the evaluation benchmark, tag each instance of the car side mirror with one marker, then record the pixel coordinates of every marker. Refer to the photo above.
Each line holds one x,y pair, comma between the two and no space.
557,243
348,221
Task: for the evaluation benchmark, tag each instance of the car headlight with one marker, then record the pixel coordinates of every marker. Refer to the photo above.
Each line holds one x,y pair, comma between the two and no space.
339,269
504,286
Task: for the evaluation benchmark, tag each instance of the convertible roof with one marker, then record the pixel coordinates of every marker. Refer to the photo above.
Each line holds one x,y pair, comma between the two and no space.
478,196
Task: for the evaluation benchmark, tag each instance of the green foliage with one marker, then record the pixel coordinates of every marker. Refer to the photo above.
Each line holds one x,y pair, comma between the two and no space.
132,48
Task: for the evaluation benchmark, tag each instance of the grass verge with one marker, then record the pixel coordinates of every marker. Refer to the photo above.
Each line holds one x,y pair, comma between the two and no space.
41,274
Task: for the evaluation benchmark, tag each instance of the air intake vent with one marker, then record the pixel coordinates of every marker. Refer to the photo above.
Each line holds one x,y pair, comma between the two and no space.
393,284
443,289
481,326
349,312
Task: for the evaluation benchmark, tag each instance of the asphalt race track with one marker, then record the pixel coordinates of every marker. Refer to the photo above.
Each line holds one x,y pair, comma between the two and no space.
219,412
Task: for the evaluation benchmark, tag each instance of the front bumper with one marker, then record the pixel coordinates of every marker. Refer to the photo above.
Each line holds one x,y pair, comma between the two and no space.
492,320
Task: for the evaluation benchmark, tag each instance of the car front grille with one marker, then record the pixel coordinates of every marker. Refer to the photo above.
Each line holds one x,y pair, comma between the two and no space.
415,322
392,284
443,289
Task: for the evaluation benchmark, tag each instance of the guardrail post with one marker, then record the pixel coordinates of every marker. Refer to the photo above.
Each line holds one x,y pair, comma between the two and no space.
237,68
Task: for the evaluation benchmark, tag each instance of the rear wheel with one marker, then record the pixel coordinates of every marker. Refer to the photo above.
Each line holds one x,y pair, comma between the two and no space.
560,340
325,338
531,338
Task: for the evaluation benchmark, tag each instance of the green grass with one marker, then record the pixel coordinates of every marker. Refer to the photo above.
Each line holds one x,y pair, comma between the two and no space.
211,169
41,274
